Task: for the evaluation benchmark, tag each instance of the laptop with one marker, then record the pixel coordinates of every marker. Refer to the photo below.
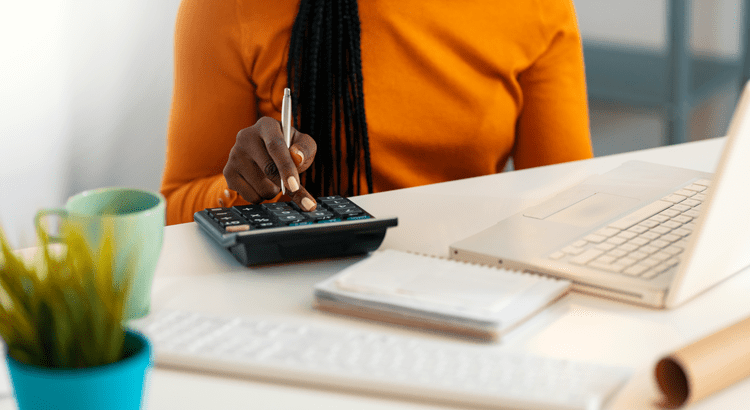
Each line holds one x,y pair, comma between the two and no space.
645,233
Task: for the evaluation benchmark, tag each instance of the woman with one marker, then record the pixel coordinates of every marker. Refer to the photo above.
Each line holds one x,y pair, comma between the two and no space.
387,94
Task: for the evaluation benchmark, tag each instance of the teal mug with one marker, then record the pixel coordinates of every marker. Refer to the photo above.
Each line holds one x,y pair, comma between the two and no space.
133,219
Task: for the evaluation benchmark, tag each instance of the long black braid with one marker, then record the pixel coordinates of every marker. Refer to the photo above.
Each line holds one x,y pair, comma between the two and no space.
325,76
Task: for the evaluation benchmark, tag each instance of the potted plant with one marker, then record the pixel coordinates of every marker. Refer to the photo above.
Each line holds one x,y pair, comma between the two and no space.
62,323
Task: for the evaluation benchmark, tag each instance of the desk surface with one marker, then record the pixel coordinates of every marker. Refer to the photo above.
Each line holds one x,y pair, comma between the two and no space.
195,274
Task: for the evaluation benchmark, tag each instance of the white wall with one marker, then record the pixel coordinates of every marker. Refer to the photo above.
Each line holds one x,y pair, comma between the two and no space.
84,100
85,88
34,111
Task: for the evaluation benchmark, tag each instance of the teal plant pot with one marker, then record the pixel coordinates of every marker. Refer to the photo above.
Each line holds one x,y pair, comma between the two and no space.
115,386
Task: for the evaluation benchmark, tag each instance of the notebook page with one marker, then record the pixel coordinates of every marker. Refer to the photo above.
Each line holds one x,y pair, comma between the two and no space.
436,281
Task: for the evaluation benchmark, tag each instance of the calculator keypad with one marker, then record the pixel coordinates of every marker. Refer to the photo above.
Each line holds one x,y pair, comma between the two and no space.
250,217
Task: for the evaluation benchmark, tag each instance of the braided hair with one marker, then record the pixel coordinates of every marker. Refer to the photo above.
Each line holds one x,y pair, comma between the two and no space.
325,75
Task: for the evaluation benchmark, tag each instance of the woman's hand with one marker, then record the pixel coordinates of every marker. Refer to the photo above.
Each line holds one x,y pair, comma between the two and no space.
260,159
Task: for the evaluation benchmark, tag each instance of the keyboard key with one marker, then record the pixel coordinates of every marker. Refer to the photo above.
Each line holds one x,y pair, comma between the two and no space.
672,250
661,256
639,241
650,236
650,262
649,223
617,253
680,232
607,232
636,270
685,192
637,229
557,255
674,198
660,218
648,249
580,244
626,235
673,223
605,259
661,230
628,247
669,212
670,237
641,214
594,238
695,187
691,213
616,241
587,256
699,197
691,202
680,207
606,266
704,182
682,219
638,255
659,243
606,246
572,250
626,261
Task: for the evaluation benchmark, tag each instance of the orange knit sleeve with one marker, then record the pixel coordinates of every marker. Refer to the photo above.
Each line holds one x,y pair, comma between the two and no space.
554,125
213,99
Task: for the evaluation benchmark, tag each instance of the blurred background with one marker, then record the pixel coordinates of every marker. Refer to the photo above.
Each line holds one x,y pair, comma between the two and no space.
85,88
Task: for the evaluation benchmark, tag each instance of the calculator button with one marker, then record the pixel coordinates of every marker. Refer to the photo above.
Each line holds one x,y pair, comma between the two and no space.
265,225
291,218
318,215
284,213
248,208
351,218
341,206
349,211
237,228
277,206
232,222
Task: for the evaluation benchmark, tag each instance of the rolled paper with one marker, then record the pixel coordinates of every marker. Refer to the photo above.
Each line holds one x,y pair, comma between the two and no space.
706,366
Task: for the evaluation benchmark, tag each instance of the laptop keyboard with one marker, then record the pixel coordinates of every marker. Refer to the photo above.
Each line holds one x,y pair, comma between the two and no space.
645,243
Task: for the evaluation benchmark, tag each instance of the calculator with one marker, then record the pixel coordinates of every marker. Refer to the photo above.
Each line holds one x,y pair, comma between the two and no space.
282,231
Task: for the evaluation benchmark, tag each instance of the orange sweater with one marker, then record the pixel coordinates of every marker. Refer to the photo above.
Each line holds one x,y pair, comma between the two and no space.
452,89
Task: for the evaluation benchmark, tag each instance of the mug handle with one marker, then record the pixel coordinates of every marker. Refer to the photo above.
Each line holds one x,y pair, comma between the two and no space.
42,229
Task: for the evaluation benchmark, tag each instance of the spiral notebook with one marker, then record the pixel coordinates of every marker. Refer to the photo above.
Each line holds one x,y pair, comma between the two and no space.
439,294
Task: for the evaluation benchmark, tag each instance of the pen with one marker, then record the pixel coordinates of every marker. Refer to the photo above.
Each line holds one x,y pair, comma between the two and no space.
286,122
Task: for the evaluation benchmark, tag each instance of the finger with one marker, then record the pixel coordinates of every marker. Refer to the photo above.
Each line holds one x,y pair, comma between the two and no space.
277,164
305,201
236,182
303,150
247,178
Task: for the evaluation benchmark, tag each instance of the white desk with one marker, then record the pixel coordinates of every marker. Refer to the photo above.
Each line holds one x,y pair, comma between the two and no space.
195,274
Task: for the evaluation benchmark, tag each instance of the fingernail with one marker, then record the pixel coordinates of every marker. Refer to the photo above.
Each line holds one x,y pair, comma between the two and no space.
299,156
221,202
291,182
308,204
226,193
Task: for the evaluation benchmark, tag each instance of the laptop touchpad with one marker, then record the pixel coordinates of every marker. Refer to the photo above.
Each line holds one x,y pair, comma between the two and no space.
593,210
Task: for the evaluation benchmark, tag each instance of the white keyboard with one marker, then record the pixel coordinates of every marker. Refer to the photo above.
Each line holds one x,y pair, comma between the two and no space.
373,362
645,243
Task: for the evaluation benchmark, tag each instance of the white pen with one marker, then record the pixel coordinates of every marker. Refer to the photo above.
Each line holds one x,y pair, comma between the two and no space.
286,122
